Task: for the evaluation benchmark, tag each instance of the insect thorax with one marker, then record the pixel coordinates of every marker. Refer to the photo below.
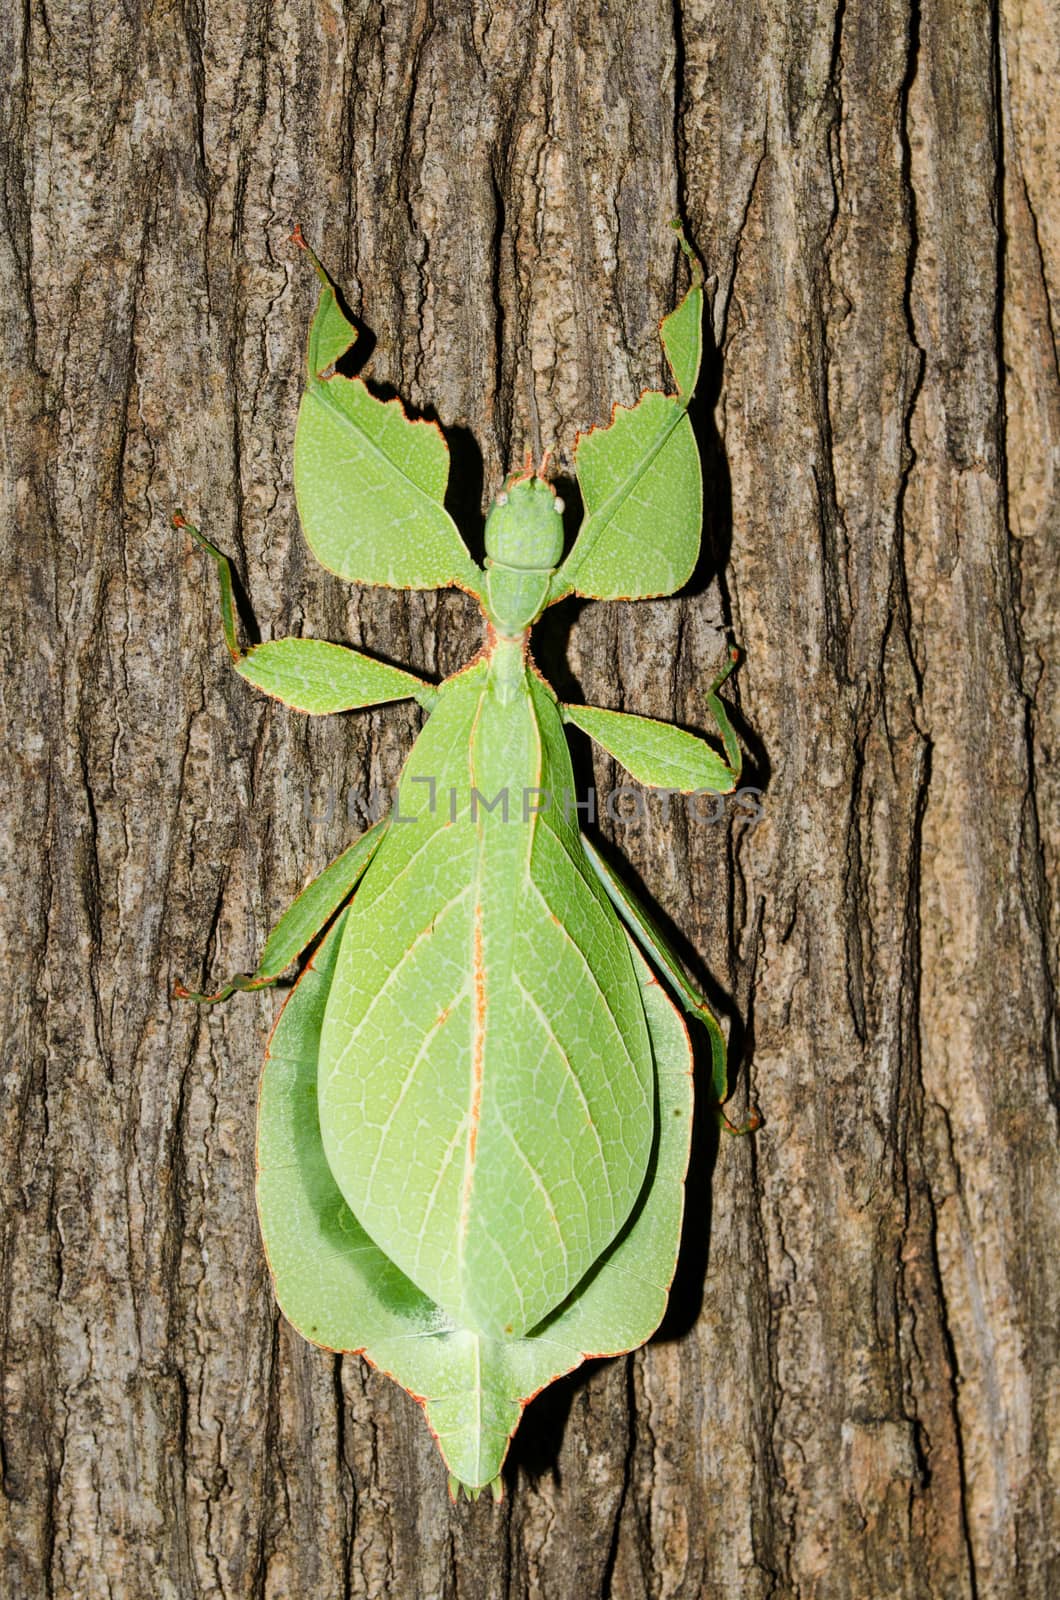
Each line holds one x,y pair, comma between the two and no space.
524,541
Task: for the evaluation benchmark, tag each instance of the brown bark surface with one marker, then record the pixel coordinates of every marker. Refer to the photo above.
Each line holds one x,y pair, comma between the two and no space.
857,1391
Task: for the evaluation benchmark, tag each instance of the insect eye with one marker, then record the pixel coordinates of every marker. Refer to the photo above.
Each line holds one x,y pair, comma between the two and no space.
559,506
501,500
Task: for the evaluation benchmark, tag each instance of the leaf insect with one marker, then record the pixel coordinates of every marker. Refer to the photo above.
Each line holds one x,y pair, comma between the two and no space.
475,1110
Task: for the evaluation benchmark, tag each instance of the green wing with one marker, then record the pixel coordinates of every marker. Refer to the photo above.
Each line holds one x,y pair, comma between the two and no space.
485,1069
340,1290
368,480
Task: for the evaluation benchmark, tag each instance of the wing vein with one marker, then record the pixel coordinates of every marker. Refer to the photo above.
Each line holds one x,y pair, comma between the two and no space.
568,936
436,1027
565,1058
394,972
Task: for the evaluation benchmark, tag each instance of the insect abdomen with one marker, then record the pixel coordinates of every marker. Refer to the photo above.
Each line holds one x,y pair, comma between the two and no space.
485,1069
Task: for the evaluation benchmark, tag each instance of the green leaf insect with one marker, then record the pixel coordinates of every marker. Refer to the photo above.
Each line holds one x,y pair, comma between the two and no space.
475,1112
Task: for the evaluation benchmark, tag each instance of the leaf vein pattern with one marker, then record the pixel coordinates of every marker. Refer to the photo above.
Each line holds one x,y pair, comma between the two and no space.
478,1043
538,1182
436,1027
323,396
430,838
610,507
450,1152
394,973
596,982
587,877
565,1058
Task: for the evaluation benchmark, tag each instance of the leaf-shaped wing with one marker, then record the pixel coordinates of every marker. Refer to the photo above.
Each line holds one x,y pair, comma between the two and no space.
641,483
484,979
339,1289
370,481
332,1282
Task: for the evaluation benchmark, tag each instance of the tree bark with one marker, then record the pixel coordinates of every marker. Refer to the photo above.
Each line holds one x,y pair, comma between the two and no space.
852,1395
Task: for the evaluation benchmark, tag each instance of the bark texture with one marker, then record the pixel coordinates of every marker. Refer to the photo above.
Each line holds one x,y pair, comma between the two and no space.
856,1393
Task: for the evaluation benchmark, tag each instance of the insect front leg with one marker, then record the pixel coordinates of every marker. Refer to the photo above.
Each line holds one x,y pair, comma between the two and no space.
733,753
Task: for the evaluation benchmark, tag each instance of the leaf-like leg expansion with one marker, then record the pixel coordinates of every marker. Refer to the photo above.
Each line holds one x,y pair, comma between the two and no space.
365,474
682,330
314,676
641,483
655,753
310,675
661,756
304,919
331,333
657,948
